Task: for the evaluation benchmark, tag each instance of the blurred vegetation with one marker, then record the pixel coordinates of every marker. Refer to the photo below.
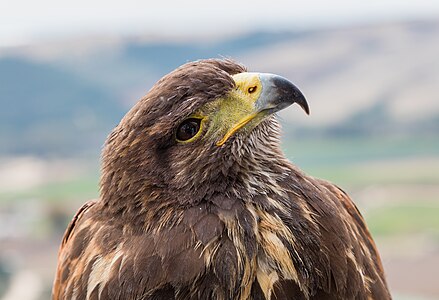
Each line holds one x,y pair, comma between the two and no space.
405,219
82,187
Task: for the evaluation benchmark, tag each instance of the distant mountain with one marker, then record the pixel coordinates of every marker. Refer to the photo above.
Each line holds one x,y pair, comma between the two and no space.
49,111
64,98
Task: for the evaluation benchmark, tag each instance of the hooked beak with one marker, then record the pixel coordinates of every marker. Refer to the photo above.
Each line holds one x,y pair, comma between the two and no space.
274,94
278,93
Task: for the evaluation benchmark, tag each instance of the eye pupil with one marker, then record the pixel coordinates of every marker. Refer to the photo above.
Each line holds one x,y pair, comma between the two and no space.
252,89
188,129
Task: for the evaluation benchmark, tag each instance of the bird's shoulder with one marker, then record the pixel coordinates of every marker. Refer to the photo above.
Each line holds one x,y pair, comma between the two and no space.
75,220
338,242
102,253
68,251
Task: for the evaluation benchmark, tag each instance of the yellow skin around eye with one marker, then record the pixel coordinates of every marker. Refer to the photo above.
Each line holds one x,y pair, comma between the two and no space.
228,115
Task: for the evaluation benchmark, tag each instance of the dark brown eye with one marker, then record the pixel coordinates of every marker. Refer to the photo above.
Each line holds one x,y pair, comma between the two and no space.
188,129
251,89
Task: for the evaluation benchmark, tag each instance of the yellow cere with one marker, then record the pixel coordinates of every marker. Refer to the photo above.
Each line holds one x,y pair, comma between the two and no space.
239,109
250,84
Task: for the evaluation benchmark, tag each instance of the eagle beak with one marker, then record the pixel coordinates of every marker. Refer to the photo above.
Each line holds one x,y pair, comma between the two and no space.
278,93
274,93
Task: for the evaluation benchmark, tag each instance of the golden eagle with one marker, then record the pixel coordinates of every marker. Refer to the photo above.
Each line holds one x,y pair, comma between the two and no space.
197,201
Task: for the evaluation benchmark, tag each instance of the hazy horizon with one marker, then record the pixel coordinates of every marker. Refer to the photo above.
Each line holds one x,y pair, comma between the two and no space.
28,22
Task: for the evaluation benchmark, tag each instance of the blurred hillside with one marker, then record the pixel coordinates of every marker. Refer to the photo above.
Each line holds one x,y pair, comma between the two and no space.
62,98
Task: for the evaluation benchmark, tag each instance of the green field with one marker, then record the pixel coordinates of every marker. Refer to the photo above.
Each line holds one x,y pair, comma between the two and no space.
406,218
83,186
365,161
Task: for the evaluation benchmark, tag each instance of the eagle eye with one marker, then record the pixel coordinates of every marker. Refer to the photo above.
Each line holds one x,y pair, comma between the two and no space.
188,129
252,89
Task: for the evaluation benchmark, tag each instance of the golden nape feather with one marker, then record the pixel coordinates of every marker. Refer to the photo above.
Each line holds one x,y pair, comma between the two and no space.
197,201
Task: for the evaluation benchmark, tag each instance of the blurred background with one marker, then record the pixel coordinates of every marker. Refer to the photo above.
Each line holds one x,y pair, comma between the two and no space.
369,69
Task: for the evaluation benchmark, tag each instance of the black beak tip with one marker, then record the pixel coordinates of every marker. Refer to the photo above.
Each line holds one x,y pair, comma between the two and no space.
290,93
304,104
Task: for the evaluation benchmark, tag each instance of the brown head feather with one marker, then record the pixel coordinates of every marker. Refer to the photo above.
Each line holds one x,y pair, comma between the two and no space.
140,152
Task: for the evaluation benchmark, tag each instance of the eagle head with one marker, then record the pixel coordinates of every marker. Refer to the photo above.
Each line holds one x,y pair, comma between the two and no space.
200,130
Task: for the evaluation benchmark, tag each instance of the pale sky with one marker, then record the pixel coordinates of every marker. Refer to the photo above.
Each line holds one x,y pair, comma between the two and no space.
24,21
